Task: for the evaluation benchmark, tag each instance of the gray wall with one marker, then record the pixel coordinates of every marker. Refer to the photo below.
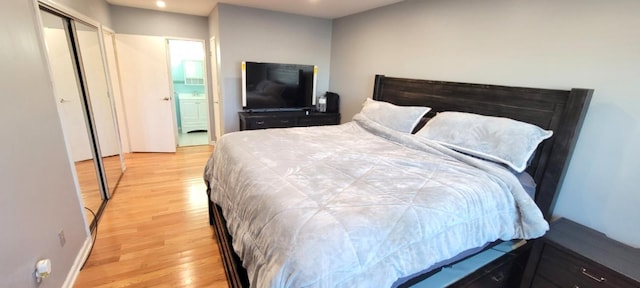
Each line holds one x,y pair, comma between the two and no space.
127,20
38,197
247,34
550,44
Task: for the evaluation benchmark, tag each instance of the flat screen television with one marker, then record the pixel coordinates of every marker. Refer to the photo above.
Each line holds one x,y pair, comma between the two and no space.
278,86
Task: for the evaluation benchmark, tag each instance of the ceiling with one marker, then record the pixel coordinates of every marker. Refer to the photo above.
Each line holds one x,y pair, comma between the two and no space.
328,9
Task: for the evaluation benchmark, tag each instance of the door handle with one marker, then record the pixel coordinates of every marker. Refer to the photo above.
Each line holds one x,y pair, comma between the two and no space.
62,100
166,98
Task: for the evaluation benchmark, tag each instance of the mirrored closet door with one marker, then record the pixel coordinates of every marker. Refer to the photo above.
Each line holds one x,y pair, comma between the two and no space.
84,106
101,104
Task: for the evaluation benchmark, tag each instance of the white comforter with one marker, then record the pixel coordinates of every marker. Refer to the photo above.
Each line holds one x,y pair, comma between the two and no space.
358,205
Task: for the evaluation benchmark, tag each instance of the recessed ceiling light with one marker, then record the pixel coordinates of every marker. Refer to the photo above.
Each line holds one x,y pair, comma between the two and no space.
161,4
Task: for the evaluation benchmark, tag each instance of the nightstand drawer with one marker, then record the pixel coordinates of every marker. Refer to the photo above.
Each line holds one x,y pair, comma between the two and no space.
570,271
541,282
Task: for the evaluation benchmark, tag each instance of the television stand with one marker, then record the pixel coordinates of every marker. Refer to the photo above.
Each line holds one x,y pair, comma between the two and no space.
284,119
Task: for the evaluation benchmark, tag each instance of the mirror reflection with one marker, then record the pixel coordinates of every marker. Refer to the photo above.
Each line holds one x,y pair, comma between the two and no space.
100,102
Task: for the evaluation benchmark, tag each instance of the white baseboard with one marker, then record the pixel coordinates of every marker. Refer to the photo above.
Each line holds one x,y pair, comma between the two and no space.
77,264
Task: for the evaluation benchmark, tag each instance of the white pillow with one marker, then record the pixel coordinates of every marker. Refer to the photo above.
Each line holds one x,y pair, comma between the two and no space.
496,139
399,118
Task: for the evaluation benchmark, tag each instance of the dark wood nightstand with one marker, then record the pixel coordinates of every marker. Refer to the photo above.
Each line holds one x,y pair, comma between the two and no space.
283,119
572,255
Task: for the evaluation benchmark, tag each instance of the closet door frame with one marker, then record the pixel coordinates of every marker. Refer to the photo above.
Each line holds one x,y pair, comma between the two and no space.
116,96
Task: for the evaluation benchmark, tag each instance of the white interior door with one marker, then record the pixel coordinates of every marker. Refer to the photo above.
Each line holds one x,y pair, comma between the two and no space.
146,92
217,112
101,107
66,88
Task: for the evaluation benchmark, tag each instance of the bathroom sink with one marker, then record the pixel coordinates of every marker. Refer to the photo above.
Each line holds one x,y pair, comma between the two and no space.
191,96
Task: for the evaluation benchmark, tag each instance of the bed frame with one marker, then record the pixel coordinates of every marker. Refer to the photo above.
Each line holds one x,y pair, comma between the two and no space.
562,111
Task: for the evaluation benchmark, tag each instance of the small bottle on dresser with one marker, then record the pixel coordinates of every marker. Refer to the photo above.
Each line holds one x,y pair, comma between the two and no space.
322,103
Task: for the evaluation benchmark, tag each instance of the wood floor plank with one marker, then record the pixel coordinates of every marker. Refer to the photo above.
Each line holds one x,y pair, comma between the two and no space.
155,230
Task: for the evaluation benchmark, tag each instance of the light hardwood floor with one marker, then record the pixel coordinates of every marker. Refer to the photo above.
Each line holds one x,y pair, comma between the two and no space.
155,230
88,180
89,186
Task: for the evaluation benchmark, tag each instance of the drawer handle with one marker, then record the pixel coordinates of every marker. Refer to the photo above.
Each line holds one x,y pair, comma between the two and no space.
498,278
259,122
284,121
599,279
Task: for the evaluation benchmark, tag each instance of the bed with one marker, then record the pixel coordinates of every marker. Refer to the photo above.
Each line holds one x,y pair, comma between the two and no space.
363,204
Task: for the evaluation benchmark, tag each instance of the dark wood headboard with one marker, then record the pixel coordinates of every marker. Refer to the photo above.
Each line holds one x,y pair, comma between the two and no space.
562,111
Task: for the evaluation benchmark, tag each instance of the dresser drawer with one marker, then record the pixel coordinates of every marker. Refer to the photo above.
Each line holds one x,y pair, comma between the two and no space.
269,122
318,120
496,278
568,270
496,274
283,119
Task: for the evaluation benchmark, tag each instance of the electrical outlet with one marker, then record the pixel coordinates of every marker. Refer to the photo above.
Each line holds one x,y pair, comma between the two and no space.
61,238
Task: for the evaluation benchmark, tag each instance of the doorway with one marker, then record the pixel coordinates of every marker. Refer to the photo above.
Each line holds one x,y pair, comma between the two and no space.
188,74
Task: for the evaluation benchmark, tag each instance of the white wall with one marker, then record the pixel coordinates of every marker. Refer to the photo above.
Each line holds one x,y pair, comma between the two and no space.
548,44
247,34
38,197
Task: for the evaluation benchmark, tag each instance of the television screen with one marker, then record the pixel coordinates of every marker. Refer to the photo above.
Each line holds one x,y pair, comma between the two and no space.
277,86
